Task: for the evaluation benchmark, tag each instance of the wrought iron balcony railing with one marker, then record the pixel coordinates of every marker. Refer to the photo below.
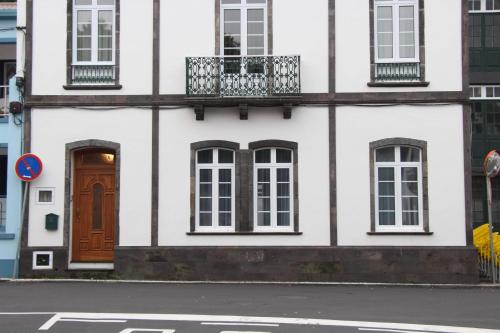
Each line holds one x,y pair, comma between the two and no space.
245,76
394,72
93,74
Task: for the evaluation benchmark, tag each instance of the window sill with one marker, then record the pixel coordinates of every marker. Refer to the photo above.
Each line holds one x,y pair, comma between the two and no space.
400,233
92,87
5,236
244,233
399,84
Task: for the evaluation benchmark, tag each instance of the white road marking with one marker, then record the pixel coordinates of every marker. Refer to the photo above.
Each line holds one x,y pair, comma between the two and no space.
265,320
132,330
51,322
242,332
240,324
94,320
390,331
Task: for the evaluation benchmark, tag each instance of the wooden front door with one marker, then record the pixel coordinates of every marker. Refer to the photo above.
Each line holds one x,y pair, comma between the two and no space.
94,193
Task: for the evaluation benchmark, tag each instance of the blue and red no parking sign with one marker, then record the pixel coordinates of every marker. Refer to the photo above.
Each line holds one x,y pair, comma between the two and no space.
29,167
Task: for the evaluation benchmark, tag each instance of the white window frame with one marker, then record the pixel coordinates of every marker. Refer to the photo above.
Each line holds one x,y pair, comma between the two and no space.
397,165
273,166
215,166
243,7
94,8
395,4
483,8
484,91
51,260
48,189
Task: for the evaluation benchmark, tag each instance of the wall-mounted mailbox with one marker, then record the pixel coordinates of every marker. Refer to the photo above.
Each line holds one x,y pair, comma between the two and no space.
51,222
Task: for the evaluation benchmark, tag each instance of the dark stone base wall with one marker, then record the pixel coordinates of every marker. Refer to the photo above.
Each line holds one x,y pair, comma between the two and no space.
311,264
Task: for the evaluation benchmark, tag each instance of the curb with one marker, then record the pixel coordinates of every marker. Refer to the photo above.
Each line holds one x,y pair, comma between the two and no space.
289,283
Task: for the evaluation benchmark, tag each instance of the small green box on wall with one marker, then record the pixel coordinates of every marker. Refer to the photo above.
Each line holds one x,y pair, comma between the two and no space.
51,222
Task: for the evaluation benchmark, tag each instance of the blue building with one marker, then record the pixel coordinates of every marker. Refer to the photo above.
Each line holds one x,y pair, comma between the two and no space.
10,144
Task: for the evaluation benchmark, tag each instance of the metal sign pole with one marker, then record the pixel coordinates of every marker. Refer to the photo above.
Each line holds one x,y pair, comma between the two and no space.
15,271
490,224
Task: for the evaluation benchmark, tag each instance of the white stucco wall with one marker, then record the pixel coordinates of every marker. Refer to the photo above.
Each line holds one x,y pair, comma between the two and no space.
52,129
441,127
49,48
188,29
308,127
443,46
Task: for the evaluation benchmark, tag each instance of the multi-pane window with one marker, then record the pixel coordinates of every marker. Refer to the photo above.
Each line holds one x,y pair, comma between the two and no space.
273,189
93,26
484,5
215,190
396,31
398,189
244,28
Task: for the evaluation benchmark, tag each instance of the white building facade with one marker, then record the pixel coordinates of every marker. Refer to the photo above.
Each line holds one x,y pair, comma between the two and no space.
249,140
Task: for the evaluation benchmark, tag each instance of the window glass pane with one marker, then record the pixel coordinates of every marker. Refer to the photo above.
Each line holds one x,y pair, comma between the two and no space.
105,39
385,154
225,156
97,206
283,175
386,188
84,35
105,2
283,156
224,219
283,204
45,196
283,189
406,32
263,175
264,189
386,218
283,219
264,204
205,204
225,205
385,174
230,2
409,154
83,2
205,190
263,156
409,174
410,218
410,203
205,156
255,1
384,32
206,175
264,219
205,219
386,204
409,188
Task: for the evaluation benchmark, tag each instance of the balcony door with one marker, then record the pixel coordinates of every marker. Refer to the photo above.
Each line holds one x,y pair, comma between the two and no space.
244,46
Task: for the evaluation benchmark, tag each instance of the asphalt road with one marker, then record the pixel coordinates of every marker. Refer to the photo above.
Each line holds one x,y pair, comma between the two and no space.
69,307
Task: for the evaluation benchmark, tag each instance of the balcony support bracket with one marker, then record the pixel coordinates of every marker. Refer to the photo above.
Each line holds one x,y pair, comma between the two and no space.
287,111
199,110
243,111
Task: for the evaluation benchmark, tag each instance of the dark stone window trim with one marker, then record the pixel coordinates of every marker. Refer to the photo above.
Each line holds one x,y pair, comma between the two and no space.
269,27
70,149
69,53
422,145
421,41
274,144
237,166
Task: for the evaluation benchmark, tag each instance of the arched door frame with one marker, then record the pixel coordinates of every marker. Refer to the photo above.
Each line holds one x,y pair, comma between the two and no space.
69,169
